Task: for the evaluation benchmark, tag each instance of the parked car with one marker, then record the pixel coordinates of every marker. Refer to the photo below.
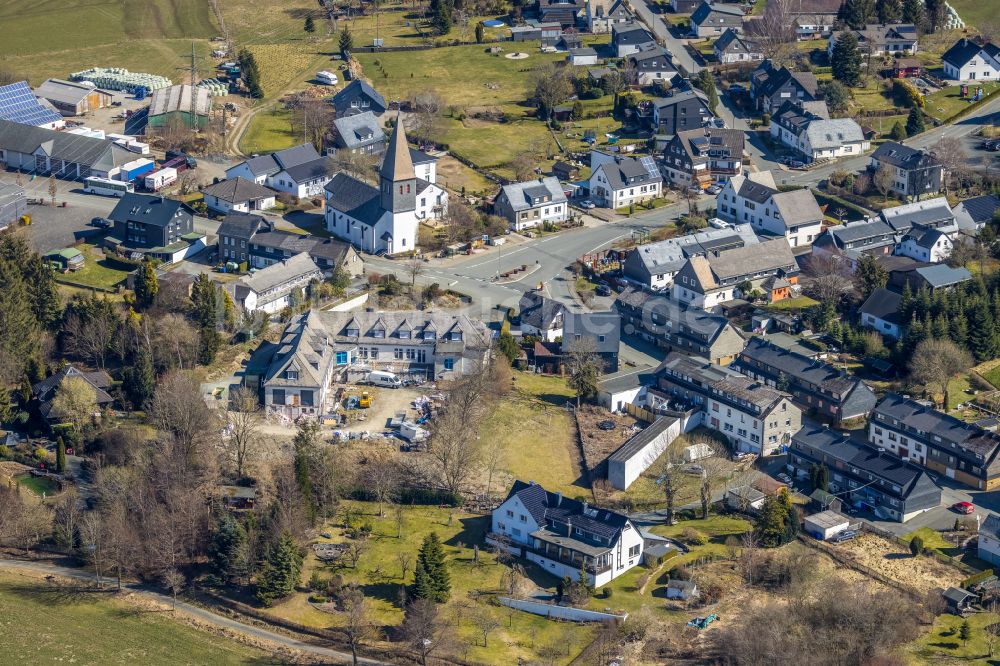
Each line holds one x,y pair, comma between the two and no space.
963,507
846,535
714,189
796,164
588,204
603,290
784,478
101,223
719,122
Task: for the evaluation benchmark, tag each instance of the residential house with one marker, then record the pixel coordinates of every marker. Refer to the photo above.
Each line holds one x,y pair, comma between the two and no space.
13,204
988,546
663,322
815,136
770,87
925,244
359,97
862,475
951,447
278,286
541,316
651,66
19,105
931,213
563,535
968,60
627,38
617,181
814,19
602,15
855,239
753,417
733,47
915,172
565,170
73,99
755,199
880,312
709,281
711,19
385,219
819,388
568,41
598,333
359,133
680,111
881,39
932,277
532,203
548,33
564,13
905,68
317,344
975,213
71,156
694,158
653,265
238,195
298,171
46,390
254,240
155,225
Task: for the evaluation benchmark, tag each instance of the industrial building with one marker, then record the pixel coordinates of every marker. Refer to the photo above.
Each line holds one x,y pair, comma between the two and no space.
71,156
73,99
19,105
176,102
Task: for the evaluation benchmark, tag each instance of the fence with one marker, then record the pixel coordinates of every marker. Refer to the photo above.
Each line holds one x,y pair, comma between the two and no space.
936,554
857,566
561,612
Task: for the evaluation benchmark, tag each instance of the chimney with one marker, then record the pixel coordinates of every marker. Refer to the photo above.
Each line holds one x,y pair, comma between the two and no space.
585,506
558,497
569,527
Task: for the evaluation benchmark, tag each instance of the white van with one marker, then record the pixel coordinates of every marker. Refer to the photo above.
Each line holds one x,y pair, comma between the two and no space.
327,78
385,379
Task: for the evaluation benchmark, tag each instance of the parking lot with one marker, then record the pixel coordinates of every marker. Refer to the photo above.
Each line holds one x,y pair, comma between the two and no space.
53,227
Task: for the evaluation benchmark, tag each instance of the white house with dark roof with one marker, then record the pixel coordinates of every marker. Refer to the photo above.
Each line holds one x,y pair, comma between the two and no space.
880,312
972,214
298,171
563,535
385,218
968,60
532,203
652,65
274,288
755,199
359,97
925,244
238,195
879,39
541,316
617,181
733,47
931,213
627,38
915,172
698,156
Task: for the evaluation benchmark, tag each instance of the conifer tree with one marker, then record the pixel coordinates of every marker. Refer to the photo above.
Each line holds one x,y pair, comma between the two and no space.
845,60
60,455
915,122
431,559
280,573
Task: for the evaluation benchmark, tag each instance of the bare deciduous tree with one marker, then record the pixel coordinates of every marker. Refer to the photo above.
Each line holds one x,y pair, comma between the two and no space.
381,475
414,267
950,152
174,581
90,339
243,428
664,466
424,629
359,627
550,85
486,623
883,180
936,362
827,277
773,31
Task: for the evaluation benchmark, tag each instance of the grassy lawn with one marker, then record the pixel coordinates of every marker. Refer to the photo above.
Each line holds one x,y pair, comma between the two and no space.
378,574
947,102
487,144
797,303
98,272
538,434
975,12
943,645
268,132
38,485
717,528
46,625
990,371
957,391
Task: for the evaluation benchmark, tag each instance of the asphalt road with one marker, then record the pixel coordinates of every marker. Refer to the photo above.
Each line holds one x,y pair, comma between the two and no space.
660,30
200,613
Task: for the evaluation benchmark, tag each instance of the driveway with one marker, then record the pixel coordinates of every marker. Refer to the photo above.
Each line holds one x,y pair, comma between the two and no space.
196,612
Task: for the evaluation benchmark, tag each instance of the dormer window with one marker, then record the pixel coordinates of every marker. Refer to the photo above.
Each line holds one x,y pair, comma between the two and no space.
405,335
378,333
352,332
428,335
456,335
291,374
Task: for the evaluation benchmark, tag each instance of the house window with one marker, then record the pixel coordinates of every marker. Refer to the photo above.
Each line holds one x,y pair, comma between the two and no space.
634,551
397,353
291,374
342,358
306,398
278,396
510,514
449,364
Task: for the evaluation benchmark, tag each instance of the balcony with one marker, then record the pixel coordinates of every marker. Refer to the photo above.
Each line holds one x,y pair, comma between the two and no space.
549,555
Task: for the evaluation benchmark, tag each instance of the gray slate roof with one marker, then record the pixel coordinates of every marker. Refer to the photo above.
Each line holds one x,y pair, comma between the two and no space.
544,506
797,207
930,212
238,190
769,255
935,423
670,254
297,266
355,198
531,193
538,311
833,133
146,208
359,130
883,304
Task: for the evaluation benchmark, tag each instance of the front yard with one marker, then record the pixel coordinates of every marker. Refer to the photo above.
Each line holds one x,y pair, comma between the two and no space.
99,272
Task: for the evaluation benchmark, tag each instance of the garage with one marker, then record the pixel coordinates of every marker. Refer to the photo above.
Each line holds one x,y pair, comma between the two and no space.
826,524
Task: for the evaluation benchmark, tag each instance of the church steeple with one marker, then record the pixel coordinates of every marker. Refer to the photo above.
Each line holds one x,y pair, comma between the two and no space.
398,181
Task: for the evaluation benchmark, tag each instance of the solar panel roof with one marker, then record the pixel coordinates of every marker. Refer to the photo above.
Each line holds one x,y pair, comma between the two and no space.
18,104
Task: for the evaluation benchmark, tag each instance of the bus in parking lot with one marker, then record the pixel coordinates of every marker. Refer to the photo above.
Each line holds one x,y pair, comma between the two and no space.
107,187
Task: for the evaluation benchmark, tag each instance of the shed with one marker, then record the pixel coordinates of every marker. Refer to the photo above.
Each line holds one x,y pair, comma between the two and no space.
821,500
826,524
681,589
696,452
744,498
653,556
67,259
